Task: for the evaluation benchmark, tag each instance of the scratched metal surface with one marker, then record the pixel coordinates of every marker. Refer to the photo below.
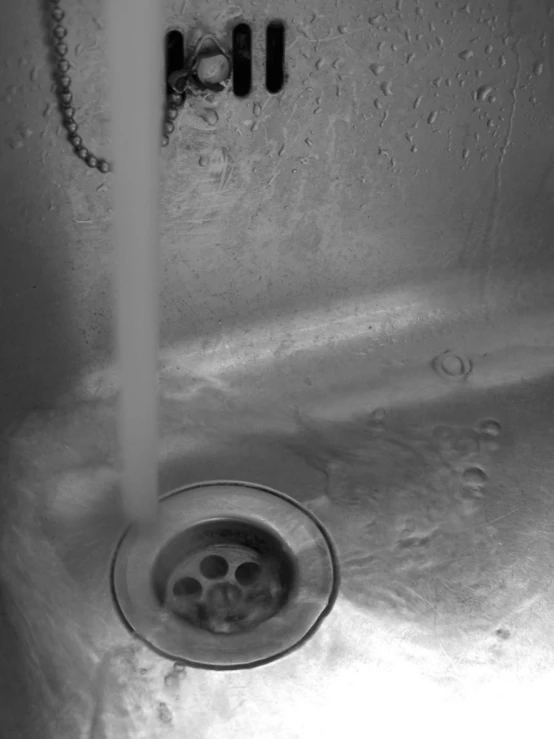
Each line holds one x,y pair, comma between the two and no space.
390,205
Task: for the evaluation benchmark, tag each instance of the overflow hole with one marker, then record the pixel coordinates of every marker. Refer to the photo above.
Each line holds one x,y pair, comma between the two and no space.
174,54
275,56
242,59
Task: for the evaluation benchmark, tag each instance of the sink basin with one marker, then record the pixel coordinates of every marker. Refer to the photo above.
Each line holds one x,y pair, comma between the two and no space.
357,313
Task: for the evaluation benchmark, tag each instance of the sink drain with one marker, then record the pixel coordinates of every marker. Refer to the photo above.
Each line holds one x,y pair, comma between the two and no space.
233,576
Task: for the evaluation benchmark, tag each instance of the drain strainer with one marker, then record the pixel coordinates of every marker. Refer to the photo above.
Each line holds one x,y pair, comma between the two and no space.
234,575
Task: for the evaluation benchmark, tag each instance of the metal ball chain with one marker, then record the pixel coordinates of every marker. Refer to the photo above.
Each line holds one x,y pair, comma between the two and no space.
174,101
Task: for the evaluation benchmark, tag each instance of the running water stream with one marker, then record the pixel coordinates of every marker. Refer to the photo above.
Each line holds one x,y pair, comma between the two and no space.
136,59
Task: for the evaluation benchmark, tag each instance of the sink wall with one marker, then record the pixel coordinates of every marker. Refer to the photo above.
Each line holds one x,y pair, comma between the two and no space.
385,166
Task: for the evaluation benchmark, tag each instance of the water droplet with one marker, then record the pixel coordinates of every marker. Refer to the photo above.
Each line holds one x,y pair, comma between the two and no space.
474,476
378,415
489,49
465,55
164,713
309,142
483,93
386,88
465,153
377,69
491,427
257,109
34,74
375,20
432,117
17,145
204,160
343,29
212,118
417,101
171,681
502,61
414,149
452,366
319,64
410,57
378,104
538,69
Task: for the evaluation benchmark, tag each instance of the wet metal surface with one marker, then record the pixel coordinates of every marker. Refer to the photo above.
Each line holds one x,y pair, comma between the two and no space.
356,310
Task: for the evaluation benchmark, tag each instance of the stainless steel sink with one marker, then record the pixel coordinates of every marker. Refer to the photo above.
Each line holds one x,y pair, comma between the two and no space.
357,312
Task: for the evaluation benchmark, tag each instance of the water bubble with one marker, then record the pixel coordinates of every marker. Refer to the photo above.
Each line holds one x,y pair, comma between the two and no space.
502,61
378,415
410,57
319,64
474,477
465,154
414,149
257,109
538,68
204,160
375,20
386,88
432,117
417,101
489,49
465,55
212,118
378,104
377,69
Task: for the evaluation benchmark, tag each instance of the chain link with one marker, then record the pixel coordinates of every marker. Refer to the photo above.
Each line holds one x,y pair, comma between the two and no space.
63,82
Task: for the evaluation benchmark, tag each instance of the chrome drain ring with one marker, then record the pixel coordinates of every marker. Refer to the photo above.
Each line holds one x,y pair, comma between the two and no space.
234,575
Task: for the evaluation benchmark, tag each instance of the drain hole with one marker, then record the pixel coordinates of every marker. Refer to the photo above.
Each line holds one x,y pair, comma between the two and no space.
186,587
174,54
242,59
275,56
247,573
214,567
